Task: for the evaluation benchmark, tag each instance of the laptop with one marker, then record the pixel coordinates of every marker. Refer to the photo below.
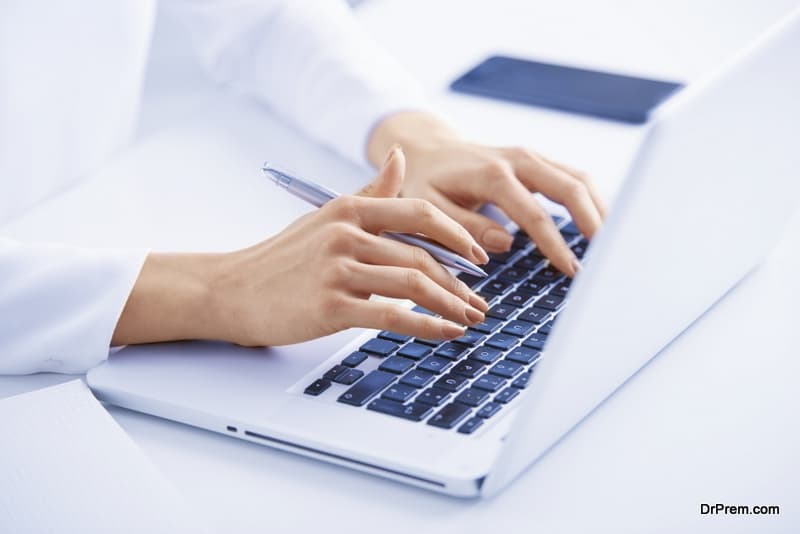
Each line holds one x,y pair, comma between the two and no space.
713,183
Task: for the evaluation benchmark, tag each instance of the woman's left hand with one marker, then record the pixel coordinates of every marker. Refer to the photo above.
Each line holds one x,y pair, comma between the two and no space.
458,177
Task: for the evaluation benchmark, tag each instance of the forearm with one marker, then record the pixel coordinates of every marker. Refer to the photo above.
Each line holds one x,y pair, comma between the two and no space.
171,300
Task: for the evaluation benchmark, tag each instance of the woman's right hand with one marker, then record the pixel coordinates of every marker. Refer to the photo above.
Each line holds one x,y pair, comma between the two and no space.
314,278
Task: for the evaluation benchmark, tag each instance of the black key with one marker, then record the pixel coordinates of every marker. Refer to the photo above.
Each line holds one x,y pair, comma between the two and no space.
472,397
506,396
379,347
366,388
470,280
534,315
433,396
519,328
523,355
488,297
450,415
561,289
451,382
497,287
579,249
317,386
522,380
502,341
354,359
434,364
514,274
399,392
396,364
430,342
520,299
492,267
502,257
468,368
570,229
535,341
521,240
558,221
489,383
529,263
550,302
335,371
485,355
415,351
470,338
489,409
470,426
412,411
501,311
550,274
420,309
506,369
489,325
534,287
391,336
417,378
546,328
451,351
349,377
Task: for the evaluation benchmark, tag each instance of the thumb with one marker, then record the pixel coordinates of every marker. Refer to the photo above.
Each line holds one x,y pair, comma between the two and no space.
390,178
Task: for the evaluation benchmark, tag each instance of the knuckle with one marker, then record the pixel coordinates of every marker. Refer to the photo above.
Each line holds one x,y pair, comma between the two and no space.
575,190
339,236
414,281
391,317
344,207
498,169
520,153
424,210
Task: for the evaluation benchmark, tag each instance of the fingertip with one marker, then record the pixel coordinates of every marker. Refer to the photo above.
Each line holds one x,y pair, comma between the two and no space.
497,240
479,255
451,330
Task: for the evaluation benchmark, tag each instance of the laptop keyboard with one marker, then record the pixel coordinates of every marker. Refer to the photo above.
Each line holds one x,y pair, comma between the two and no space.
463,383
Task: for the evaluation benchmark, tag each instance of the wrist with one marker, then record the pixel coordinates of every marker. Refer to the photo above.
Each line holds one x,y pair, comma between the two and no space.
411,130
173,299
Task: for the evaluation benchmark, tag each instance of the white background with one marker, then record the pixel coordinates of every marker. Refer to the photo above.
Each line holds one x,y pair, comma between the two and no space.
712,419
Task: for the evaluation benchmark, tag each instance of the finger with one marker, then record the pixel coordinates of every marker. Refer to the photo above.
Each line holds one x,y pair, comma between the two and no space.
404,283
587,181
490,235
381,251
390,178
387,316
519,204
559,186
414,215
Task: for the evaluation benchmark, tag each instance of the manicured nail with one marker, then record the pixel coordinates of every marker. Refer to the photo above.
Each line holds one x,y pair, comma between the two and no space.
479,254
452,330
577,266
392,151
474,316
476,301
497,239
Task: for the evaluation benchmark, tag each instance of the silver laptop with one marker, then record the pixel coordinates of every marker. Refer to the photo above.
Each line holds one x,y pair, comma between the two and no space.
715,179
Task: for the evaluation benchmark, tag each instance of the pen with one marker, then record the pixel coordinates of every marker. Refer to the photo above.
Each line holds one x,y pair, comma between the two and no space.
318,195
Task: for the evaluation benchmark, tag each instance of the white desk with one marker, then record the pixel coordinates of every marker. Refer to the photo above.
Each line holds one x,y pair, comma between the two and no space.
712,419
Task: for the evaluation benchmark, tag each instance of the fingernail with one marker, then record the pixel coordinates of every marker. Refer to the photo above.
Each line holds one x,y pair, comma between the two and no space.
392,151
452,330
473,315
478,302
479,254
497,239
577,266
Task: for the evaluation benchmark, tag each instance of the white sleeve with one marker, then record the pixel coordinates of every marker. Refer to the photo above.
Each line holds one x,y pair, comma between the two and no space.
59,305
309,60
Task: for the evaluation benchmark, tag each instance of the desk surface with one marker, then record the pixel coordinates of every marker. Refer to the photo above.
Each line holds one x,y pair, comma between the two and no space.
712,419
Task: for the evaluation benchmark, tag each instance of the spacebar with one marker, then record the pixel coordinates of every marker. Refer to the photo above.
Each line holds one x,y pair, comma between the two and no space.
366,388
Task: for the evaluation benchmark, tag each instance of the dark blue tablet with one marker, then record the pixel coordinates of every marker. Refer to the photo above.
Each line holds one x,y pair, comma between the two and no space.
588,92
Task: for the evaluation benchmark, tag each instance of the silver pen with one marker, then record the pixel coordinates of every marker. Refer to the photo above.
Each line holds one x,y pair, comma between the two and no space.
318,195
